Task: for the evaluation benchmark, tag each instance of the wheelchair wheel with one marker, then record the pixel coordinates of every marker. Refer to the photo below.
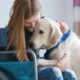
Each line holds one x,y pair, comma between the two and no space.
3,76
6,75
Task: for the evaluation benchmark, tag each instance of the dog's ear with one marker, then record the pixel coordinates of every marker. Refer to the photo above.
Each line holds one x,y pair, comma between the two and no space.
53,26
55,34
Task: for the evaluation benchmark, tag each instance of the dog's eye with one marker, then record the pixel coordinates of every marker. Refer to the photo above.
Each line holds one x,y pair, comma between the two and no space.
41,32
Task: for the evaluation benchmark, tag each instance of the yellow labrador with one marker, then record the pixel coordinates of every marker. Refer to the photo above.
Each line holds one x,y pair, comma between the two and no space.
48,35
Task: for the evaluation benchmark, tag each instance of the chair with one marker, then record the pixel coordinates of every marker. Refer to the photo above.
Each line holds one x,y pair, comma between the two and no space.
14,70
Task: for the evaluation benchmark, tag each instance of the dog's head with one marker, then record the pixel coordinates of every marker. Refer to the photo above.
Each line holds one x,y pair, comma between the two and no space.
46,34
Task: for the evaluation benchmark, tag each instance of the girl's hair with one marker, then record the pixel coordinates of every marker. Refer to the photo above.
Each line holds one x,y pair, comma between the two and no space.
21,10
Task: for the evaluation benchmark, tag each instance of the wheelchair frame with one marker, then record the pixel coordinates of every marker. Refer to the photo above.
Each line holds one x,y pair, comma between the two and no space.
34,60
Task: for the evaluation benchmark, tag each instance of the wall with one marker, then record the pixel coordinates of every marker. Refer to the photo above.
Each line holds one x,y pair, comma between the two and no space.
58,9
55,9
5,6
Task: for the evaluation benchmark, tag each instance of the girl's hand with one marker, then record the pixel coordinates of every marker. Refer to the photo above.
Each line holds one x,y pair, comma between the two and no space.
63,26
22,56
63,63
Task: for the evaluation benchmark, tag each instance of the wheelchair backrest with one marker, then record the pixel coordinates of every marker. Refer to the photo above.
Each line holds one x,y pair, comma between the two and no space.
3,37
17,70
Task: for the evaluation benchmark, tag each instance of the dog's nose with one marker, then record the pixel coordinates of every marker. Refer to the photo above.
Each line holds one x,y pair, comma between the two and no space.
31,44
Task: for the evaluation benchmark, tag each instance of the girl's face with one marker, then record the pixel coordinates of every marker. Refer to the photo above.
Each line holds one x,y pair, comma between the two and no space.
32,22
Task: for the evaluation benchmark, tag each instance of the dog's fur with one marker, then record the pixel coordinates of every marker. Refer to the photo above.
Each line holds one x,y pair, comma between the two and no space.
47,34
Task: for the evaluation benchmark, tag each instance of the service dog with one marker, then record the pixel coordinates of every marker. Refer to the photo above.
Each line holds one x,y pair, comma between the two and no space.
47,34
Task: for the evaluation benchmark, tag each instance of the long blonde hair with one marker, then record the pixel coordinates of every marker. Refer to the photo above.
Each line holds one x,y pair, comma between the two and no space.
21,10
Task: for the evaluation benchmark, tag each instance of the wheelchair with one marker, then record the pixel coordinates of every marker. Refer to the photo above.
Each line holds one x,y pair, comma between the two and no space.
14,70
